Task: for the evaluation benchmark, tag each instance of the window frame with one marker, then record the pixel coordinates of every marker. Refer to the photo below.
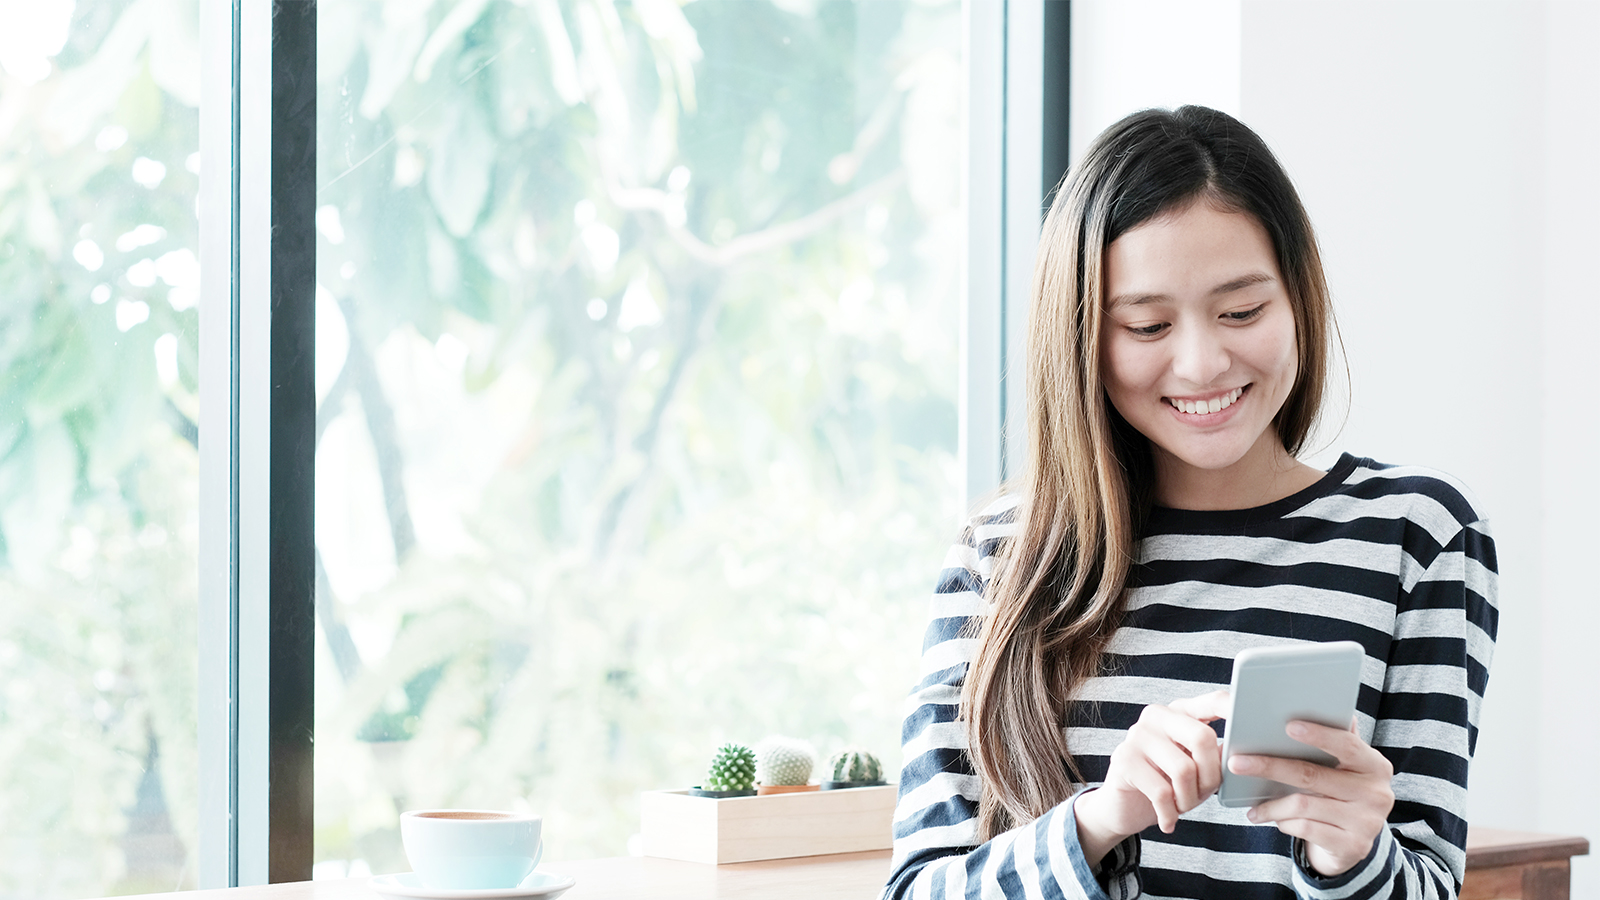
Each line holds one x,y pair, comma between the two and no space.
257,322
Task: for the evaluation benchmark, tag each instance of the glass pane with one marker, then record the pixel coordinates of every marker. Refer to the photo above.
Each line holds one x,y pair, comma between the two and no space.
99,138
637,342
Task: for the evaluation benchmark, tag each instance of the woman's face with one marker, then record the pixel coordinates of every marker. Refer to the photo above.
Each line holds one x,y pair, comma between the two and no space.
1197,349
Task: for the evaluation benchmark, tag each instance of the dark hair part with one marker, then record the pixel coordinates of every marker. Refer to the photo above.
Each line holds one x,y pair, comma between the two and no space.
1057,590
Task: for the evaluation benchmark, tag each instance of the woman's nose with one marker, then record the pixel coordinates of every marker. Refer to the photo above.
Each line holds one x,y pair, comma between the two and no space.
1200,356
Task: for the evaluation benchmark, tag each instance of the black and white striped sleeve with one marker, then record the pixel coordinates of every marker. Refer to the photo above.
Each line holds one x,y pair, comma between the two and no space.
936,850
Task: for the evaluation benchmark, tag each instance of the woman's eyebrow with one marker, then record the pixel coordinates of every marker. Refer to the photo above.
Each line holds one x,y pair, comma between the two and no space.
1134,299
1227,287
1243,281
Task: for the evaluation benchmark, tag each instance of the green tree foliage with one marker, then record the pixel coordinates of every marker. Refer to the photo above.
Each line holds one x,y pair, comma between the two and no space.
639,346
98,467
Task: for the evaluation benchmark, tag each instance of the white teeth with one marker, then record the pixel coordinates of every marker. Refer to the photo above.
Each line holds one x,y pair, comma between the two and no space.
1207,407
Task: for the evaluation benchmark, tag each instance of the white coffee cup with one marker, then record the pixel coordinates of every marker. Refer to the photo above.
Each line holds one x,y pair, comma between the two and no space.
469,849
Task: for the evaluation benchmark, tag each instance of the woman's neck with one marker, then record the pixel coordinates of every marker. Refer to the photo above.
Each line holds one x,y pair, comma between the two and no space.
1266,473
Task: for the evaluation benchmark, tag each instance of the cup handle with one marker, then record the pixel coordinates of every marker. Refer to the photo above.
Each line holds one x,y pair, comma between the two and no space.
538,854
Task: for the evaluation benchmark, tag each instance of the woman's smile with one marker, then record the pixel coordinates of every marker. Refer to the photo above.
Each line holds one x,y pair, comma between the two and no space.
1204,409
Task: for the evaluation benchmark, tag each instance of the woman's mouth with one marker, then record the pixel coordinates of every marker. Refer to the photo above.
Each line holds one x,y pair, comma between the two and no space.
1209,406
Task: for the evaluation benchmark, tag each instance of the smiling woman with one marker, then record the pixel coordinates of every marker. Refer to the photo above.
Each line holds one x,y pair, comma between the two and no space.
1086,619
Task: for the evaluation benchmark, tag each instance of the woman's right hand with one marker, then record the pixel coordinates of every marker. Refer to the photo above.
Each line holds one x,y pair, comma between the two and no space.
1169,763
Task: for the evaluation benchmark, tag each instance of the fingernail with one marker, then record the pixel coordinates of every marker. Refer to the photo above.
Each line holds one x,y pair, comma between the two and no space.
1242,765
1251,815
1297,729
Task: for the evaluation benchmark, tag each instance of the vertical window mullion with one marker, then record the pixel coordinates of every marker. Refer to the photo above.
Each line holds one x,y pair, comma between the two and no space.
253,488
983,196
1017,71
217,440
258,265
293,405
1024,139
1055,106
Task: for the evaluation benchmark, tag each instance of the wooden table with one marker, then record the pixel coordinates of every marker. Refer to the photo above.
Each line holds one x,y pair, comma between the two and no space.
1501,865
1519,865
846,876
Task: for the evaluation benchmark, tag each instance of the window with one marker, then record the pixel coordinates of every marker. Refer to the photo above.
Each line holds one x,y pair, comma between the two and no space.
99,174
658,349
637,379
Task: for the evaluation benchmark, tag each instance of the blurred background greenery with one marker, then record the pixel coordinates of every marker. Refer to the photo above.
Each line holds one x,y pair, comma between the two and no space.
99,284
637,357
637,341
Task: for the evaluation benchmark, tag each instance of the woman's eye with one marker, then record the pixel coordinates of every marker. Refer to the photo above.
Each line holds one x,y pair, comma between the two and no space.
1147,330
1244,315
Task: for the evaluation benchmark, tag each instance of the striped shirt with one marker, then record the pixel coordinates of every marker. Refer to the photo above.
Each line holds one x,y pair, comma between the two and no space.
1394,558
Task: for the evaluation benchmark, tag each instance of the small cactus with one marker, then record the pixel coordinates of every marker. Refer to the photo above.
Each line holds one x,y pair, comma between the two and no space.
855,765
784,761
732,769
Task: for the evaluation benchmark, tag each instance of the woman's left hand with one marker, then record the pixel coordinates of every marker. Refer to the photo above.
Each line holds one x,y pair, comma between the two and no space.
1341,811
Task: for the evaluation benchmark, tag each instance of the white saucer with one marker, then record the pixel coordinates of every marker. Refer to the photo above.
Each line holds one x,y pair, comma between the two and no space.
545,885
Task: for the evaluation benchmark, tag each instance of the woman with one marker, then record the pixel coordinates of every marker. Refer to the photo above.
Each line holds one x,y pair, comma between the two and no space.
1063,740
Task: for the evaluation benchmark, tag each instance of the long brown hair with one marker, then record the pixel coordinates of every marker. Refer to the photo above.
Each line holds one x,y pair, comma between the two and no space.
1057,591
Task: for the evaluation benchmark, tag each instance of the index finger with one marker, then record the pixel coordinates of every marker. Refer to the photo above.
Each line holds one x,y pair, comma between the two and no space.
1206,707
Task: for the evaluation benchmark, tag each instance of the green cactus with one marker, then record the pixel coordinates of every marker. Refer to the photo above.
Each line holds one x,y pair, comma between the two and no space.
854,764
782,760
732,769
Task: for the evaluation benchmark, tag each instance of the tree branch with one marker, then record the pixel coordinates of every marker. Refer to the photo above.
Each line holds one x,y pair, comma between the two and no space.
346,657
385,435
181,424
700,307
662,203
333,403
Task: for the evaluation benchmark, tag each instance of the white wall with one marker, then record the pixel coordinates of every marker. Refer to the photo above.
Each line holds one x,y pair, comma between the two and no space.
1447,153
1568,743
1135,54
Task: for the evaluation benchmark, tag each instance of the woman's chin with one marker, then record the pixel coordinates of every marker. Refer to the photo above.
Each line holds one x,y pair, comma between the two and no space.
1237,448
1204,456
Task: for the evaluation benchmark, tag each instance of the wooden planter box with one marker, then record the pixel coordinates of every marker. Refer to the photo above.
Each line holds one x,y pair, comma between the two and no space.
741,829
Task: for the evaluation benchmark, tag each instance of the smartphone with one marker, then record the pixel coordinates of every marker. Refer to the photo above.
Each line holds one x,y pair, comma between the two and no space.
1273,686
